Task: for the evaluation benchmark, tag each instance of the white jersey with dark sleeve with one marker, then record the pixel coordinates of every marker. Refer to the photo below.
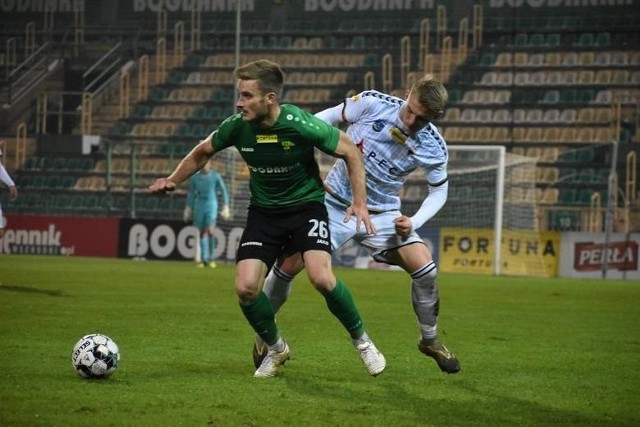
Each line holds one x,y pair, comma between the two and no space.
390,154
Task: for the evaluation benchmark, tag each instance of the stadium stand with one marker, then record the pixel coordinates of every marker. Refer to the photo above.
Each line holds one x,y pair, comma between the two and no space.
551,88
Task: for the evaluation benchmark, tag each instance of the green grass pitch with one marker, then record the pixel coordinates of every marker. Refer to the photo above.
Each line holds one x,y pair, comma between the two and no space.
534,352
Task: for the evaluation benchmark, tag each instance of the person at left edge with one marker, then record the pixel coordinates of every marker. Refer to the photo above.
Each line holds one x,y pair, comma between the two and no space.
277,142
202,210
13,191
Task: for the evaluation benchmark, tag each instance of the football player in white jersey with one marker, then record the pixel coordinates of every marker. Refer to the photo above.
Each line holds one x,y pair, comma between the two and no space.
396,137
13,191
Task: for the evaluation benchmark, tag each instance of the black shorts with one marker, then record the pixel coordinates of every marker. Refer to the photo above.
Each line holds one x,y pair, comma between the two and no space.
270,230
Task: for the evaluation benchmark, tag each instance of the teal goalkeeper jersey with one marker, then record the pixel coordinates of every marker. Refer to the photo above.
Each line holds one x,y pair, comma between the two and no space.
282,166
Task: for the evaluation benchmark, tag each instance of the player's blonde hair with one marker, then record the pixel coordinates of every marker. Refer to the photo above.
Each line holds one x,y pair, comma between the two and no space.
267,73
431,94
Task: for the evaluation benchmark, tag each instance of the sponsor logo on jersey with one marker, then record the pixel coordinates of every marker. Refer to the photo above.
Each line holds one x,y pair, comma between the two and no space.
322,242
287,145
398,135
273,169
251,244
378,125
267,139
249,149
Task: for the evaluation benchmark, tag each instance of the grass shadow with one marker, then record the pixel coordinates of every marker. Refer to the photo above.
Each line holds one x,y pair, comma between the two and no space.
29,290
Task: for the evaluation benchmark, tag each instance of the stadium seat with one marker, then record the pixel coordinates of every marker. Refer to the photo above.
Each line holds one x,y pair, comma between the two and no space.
569,59
536,60
549,196
602,39
551,97
568,115
551,116
620,77
520,59
552,40
500,134
468,115
568,196
504,59
586,59
552,59
602,59
568,134
520,40
519,115
551,134
534,116
584,134
585,40
536,40
619,59
502,115
452,114
586,77
534,134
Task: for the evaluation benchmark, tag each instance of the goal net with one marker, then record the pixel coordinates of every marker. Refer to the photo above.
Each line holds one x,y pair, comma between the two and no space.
491,213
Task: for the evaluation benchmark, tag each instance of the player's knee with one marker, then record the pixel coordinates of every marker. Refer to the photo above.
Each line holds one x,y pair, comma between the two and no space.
426,275
246,290
323,280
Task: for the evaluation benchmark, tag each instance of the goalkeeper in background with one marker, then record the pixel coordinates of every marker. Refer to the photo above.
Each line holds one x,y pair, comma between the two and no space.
396,137
202,207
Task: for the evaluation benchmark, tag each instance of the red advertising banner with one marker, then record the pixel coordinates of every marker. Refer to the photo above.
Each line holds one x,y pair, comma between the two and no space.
58,235
588,256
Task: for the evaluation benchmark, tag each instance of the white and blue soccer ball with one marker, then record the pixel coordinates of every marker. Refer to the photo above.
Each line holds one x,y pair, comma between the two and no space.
95,356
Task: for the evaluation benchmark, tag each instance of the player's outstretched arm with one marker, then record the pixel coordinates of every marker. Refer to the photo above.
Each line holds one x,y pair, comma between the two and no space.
348,151
189,165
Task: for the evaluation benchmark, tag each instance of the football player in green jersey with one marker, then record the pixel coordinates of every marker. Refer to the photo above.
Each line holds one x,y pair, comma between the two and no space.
277,142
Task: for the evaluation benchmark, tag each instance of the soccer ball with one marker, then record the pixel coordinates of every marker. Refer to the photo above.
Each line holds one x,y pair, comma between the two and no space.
95,356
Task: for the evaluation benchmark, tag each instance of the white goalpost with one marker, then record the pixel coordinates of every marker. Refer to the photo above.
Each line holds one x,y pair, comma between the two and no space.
489,188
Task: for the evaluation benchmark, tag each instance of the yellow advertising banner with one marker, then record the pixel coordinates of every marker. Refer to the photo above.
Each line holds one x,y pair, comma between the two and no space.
523,253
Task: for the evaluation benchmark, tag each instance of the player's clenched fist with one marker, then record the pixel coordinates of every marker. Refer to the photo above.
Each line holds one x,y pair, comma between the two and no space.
162,185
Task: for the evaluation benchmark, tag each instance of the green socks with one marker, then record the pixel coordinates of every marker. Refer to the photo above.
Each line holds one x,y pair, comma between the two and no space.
340,303
262,318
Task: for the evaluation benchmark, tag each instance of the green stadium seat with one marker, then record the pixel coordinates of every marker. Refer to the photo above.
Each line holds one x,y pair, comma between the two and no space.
67,181
488,59
585,40
520,40
602,39
536,40
552,40
568,196
59,163
86,164
151,203
39,181
53,181
61,201
551,97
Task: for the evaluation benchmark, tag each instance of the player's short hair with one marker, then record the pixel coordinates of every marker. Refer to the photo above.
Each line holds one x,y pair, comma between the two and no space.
431,94
268,74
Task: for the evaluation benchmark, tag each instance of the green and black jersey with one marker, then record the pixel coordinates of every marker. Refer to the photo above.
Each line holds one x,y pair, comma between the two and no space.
282,166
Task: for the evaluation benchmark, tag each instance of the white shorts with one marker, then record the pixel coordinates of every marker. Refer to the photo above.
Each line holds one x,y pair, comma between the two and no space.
384,240
3,220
